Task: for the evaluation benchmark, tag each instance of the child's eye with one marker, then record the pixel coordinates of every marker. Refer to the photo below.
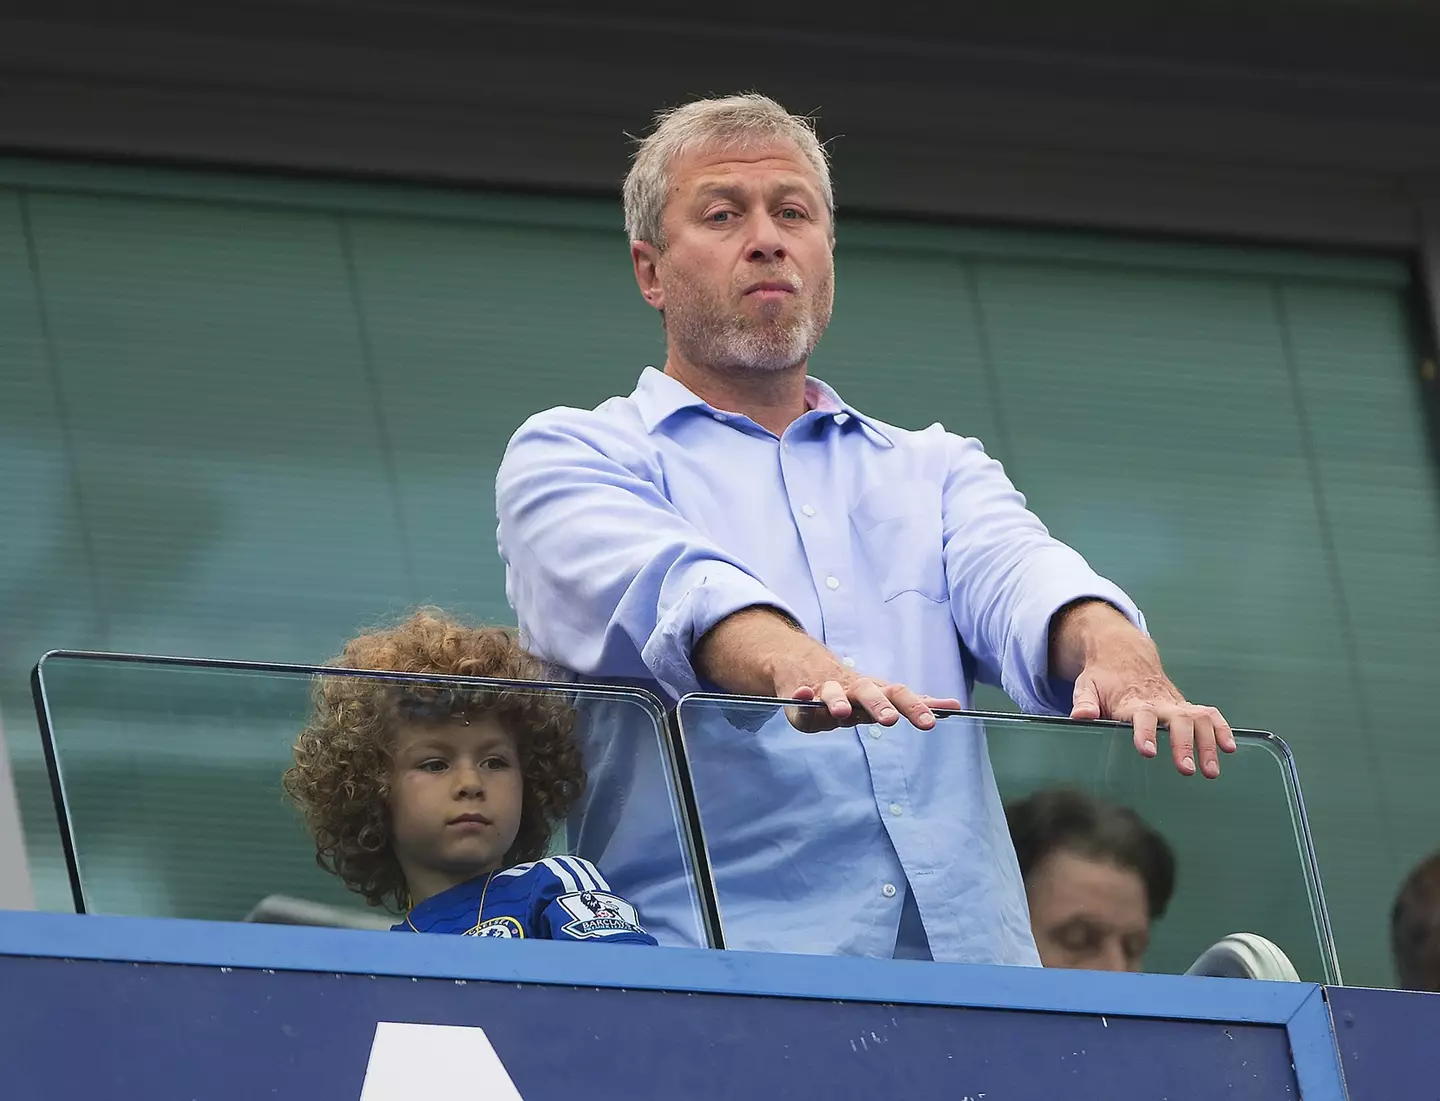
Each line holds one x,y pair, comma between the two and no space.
434,764
496,763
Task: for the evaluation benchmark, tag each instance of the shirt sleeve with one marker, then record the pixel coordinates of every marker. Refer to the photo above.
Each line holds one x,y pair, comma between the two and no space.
1008,577
599,565
574,902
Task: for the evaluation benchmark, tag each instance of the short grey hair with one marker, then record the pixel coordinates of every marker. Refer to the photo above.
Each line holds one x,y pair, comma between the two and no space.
733,122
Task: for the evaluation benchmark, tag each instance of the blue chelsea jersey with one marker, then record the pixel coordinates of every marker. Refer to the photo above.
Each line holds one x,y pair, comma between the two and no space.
558,898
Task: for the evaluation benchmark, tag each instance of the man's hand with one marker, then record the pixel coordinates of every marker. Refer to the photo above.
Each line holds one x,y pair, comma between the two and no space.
1118,675
760,652
850,698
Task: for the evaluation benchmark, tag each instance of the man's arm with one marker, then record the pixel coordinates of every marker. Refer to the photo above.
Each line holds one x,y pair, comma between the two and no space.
599,564
1118,675
1056,635
760,652
1008,578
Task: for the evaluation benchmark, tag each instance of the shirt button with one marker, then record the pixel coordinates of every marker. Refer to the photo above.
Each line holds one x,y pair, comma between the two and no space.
808,510
874,732
888,890
718,416
841,418
848,662
832,582
896,809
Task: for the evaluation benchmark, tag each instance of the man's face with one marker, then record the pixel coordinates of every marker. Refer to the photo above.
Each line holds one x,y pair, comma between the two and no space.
1088,913
455,800
747,276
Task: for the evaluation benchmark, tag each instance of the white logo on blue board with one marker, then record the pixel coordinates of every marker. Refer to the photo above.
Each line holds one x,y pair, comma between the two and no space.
451,1061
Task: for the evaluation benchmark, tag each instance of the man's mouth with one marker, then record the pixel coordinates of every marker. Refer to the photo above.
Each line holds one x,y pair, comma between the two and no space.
770,288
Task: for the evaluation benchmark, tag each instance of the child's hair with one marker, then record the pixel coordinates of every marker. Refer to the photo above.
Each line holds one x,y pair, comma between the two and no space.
343,758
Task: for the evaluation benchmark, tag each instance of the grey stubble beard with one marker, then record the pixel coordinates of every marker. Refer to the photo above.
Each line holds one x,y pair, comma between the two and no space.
706,334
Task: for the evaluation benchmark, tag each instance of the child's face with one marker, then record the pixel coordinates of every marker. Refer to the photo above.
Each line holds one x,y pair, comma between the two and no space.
455,801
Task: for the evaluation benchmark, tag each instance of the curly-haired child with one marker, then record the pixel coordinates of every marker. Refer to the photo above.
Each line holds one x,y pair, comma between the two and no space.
440,801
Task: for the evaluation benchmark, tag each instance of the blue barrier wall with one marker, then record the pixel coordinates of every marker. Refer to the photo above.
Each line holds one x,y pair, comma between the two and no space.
137,1008
1389,1043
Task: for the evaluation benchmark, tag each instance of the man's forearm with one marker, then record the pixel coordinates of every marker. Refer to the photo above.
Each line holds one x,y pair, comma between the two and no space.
1078,630
760,651
745,652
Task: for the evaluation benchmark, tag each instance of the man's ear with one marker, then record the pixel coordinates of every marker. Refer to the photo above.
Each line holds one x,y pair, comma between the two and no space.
646,258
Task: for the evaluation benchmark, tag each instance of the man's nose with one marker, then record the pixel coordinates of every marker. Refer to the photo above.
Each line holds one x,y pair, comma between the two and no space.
1112,956
767,244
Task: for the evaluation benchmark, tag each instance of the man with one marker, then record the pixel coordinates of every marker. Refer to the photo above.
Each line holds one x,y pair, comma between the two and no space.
1096,876
733,524
1415,927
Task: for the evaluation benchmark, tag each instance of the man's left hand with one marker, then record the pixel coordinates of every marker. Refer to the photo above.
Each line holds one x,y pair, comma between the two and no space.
1121,678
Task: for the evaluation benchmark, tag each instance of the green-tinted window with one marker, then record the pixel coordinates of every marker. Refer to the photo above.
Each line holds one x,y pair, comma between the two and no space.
241,418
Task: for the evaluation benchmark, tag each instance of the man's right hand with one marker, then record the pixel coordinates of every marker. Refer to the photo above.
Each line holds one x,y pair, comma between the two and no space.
850,698
759,651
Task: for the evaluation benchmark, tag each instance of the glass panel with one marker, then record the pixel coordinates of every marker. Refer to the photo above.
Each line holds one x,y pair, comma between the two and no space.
1241,845
168,781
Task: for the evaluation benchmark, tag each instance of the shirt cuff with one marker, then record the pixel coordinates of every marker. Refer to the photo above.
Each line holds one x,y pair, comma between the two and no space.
1029,682
719,590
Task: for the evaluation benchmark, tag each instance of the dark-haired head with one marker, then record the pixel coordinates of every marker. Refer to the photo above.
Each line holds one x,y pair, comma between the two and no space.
1415,927
1096,876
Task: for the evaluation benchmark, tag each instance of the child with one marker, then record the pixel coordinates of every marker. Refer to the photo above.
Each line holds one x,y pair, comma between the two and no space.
441,801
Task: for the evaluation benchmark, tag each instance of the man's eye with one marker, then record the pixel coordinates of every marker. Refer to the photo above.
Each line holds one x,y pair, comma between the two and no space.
1079,937
792,214
721,216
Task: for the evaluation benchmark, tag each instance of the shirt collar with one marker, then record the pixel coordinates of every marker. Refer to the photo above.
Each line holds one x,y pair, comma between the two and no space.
821,396
659,397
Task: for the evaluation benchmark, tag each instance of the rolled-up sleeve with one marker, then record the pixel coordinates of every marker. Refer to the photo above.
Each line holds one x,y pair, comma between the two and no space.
1008,578
602,571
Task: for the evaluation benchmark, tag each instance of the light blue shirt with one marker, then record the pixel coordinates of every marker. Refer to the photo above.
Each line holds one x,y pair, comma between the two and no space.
630,530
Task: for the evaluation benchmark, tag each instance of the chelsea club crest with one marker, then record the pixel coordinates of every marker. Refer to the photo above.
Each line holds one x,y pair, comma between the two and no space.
506,927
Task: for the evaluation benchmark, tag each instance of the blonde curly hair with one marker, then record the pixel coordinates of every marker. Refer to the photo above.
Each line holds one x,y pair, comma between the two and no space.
344,757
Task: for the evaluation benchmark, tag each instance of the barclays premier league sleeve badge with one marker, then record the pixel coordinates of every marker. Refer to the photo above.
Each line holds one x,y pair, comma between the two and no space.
598,914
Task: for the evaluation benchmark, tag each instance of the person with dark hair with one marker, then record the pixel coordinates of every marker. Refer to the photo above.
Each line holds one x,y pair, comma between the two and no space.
1096,876
441,801
1415,927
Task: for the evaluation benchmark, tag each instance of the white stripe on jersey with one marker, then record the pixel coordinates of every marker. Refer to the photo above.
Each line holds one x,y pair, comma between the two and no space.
585,870
578,869
519,869
562,873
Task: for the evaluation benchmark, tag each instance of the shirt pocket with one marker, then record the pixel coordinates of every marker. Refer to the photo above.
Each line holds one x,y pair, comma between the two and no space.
900,532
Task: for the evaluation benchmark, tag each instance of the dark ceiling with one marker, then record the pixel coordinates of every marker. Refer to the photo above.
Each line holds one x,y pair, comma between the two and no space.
1375,39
